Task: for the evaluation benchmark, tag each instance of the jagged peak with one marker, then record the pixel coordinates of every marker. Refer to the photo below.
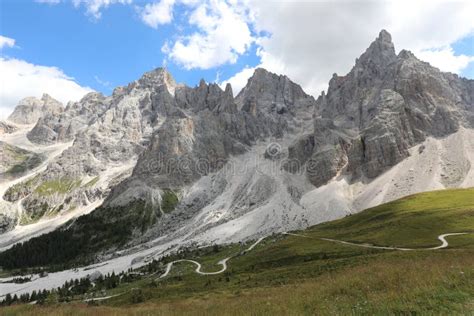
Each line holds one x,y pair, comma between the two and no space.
29,100
30,109
406,54
92,96
47,99
159,72
228,89
380,52
46,96
263,75
157,77
262,72
384,36
382,44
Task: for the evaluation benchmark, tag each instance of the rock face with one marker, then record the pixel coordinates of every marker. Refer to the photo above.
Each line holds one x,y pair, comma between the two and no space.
6,128
386,104
207,128
204,129
77,116
6,223
108,133
177,133
275,97
30,109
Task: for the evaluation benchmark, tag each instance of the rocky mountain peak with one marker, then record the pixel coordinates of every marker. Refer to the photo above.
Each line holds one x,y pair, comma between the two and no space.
30,109
384,36
47,98
51,105
380,53
260,72
269,92
158,77
385,105
405,54
228,89
261,75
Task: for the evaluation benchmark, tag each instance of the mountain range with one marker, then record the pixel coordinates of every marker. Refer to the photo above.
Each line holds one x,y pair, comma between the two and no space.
167,165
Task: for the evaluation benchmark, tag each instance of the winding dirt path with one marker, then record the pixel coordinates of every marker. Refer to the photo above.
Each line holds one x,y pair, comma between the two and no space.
444,241
442,238
222,262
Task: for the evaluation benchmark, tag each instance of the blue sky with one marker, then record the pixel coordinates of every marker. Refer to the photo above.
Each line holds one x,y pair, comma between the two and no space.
115,49
68,47
466,46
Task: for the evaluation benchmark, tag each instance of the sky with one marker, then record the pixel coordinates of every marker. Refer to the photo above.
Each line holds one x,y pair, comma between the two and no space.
67,48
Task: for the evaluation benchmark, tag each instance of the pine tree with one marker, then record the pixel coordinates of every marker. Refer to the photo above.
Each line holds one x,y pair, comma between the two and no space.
8,299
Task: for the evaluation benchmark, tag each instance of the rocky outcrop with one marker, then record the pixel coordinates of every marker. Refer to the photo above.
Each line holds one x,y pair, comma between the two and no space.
107,132
198,137
270,93
195,128
6,128
63,127
30,109
7,223
274,98
386,104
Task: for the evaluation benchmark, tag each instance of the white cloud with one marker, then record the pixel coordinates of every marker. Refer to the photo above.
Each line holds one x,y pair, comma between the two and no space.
94,7
223,34
445,59
239,80
311,40
20,79
158,13
6,42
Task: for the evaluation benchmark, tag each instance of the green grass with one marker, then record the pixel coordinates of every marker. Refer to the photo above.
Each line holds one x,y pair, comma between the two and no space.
61,186
414,221
30,162
169,200
289,275
15,153
21,160
19,190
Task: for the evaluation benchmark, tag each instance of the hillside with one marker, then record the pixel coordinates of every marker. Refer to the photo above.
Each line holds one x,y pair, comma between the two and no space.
16,161
304,272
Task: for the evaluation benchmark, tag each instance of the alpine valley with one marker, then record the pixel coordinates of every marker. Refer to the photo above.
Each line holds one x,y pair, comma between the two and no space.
159,170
